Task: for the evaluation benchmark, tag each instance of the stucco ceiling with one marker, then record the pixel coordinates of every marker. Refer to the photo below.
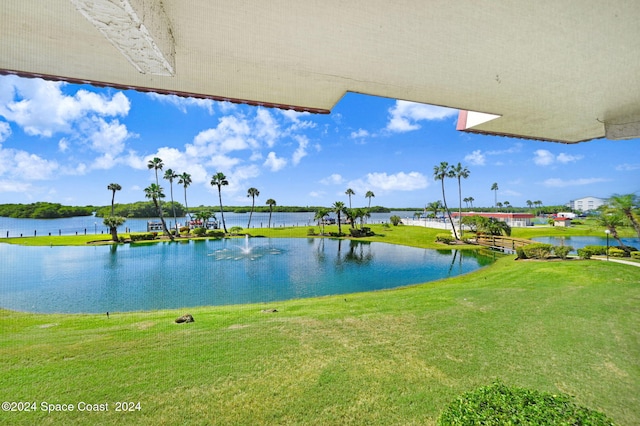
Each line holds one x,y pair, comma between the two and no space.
564,71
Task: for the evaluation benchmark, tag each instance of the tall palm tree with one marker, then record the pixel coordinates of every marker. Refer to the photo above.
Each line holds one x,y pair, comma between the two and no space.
627,205
170,175
612,221
465,200
321,213
219,180
350,192
369,195
185,180
270,202
494,188
471,200
155,164
460,172
154,192
441,172
253,193
113,187
338,209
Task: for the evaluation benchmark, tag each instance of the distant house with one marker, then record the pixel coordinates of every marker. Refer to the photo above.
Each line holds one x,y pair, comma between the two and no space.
514,220
563,222
585,204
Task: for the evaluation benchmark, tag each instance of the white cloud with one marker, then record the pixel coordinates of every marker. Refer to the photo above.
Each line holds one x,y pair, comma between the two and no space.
25,166
42,109
182,103
390,182
361,133
404,115
334,179
476,158
15,186
301,151
542,157
5,131
627,167
563,183
108,137
267,128
274,163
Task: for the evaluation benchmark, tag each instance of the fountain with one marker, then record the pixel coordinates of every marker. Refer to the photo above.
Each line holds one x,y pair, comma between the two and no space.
246,251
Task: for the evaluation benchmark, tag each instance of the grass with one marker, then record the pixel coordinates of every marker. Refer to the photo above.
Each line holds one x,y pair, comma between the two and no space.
387,357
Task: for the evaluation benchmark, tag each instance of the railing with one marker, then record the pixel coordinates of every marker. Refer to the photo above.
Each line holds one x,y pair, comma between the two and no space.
506,244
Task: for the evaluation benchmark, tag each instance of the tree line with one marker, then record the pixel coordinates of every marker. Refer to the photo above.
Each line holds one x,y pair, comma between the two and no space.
43,210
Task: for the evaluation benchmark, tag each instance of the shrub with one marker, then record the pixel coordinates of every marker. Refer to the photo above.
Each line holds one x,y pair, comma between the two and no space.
501,405
597,250
616,252
235,230
562,251
520,253
215,233
144,237
395,220
635,255
311,231
585,253
444,238
199,232
537,250
184,230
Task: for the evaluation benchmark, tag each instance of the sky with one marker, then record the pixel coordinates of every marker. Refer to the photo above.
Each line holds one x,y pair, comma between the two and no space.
65,143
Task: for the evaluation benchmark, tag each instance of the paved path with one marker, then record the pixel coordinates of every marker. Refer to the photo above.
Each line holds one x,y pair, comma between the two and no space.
626,262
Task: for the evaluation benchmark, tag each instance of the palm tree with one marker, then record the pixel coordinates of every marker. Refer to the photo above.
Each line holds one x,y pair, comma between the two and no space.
471,200
253,193
434,207
612,221
460,172
155,164
529,203
627,205
350,192
113,187
465,200
154,192
185,180
494,188
270,202
440,173
321,213
170,175
338,209
538,204
507,205
220,180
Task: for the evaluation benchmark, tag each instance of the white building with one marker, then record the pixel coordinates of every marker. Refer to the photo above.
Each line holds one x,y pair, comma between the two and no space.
586,203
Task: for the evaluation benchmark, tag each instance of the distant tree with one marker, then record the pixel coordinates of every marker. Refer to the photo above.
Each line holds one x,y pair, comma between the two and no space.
493,226
465,200
471,200
627,205
494,188
154,192
499,205
434,207
441,172
155,164
113,187
270,202
321,213
219,180
529,203
369,195
350,192
253,193
460,172
170,175
507,205
185,180
338,209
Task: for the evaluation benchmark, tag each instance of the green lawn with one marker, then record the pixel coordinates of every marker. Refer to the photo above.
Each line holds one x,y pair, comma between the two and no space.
387,357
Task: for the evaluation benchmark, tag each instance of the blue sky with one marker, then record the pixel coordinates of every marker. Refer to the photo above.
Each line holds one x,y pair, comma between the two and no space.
65,143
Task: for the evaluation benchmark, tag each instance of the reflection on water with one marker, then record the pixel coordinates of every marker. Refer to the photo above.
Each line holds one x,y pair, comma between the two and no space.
213,272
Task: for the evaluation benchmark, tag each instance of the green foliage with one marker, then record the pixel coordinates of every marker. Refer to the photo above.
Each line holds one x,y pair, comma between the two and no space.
537,251
635,255
199,232
147,236
395,220
616,252
141,209
585,253
597,250
113,221
562,251
214,233
43,210
444,238
185,230
520,253
498,404
311,231
235,230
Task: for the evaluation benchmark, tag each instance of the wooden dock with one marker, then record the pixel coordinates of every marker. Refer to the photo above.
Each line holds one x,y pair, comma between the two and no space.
499,242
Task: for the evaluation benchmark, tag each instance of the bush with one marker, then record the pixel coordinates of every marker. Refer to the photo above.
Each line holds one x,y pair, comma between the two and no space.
520,253
635,255
501,405
199,232
311,231
395,220
616,252
597,250
585,253
215,233
144,237
562,251
444,238
235,230
185,230
537,250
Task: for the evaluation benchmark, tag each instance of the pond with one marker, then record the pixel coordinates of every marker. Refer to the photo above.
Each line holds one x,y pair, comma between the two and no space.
212,272
580,242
